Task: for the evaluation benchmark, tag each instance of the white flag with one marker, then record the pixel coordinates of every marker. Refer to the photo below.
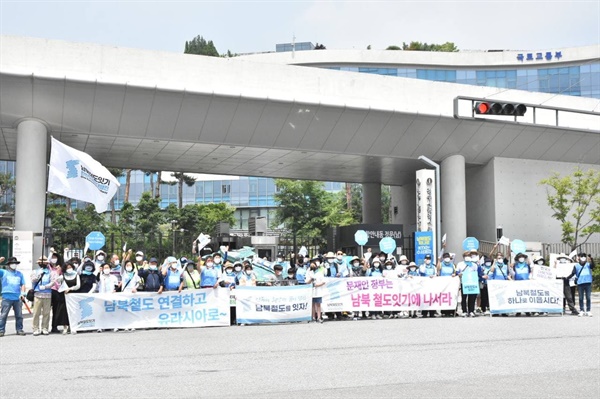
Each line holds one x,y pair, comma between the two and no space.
503,241
75,174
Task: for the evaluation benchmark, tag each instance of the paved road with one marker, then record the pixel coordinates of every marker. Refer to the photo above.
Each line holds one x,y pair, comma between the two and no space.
524,357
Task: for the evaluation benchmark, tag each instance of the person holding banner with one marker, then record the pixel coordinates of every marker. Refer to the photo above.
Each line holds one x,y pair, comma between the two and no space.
316,277
130,280
210,275
522,270
486,270
563,260
13,289
191,276
427,269
465,270
583,273
71,283
87,278
446,268
248,278
500,270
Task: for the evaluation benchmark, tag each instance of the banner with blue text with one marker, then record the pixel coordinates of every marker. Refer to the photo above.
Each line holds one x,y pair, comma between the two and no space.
190,308
257,305
367,293
525,296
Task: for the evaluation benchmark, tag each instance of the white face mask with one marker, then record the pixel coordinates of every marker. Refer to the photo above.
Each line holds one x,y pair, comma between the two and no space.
13,266
389,267
139,258
106,271
70,271
53,261
427,261
129,268
488,264
467,258
355,264
209,264
540,262
339,257
238,269
447,260
117,262
248,272
582,259
475,258
100,257
376,265
521,260
563,261
279,260
330,260
217,260
318,263
500,260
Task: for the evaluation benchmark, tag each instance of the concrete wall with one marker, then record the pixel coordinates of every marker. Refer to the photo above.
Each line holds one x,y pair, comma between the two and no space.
520,203
481,218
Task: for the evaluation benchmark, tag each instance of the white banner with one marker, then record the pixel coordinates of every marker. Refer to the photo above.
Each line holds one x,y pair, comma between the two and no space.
540,272
75,174
273,304
525,296
191,308
564,269
367,293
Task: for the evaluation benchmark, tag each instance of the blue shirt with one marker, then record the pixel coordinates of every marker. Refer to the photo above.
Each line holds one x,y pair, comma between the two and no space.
11,284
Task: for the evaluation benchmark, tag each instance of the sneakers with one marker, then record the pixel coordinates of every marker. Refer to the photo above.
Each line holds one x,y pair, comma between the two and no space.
98,330
2,334
486,313
65,330
20,332
36,333
45,332
115,330
589,314
379,317
581,314
373,317
464,315
471,314
320,321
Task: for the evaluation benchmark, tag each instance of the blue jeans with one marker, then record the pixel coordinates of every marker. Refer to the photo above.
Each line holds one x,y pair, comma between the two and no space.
17,308
587,289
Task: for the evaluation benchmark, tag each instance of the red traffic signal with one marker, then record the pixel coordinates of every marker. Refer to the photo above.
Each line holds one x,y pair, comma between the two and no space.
493,108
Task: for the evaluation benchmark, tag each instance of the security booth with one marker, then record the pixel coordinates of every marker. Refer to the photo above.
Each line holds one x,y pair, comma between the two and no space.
342,237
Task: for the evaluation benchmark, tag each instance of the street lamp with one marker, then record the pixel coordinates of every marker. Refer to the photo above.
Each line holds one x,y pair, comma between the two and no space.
438,213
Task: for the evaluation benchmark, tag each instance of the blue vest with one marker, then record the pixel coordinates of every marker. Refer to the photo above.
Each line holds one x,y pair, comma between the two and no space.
501,272
585,275
447,269
429,270
208,277
375,273
301,275
11,284
172,280
485,271
521,271
45,280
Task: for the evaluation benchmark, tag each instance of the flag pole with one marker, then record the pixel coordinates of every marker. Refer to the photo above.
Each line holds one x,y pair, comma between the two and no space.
46,196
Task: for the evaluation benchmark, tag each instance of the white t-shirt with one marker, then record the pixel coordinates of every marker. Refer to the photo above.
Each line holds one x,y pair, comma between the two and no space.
316,277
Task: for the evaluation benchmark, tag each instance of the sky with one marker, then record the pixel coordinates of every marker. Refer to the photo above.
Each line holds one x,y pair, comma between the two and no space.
256,26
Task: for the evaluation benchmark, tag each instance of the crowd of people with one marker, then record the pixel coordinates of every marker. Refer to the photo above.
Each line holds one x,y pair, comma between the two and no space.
55,278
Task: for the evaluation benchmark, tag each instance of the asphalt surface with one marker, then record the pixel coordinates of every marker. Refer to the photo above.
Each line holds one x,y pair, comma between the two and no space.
482,357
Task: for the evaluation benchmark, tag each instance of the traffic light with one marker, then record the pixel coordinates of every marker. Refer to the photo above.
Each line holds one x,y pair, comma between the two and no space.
492,108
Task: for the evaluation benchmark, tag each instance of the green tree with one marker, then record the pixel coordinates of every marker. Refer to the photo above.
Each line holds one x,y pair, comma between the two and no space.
449,47
200,46
575,201
392,48
209,215
306,209
7,186
181,179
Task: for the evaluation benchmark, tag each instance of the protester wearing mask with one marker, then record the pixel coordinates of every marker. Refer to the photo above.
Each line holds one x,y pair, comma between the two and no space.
291,277
567,292
468,301
341,265
277,278
248,278
219,260
130,280
358,269
87,278
500,270
412,271
446,268
583,277
58,298
42,281
486,270
107,283
238,270
153,279
403,264
13,290
210,275
228,280
522,271
375,270
71,283
191,276
139,260
99,259
315,277
172,276
301,270
427,269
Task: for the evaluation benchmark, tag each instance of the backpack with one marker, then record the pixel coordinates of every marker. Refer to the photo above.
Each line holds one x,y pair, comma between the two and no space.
152,282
